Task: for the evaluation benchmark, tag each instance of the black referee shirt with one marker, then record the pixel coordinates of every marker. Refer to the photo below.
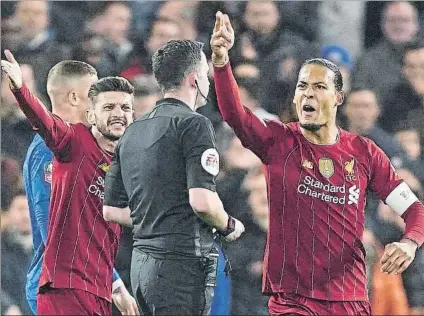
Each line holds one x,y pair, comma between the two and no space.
158,159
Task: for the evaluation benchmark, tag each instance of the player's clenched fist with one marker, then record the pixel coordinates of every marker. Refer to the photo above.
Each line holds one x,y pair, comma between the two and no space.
222,39
12,69
398,256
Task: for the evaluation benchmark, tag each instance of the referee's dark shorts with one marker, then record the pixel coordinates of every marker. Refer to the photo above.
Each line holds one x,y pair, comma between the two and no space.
170,286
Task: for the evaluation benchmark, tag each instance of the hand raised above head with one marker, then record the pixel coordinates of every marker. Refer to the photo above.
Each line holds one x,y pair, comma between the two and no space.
11,68
222,39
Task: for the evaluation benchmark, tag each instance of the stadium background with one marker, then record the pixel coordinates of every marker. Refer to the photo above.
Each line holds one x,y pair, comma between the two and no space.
366,39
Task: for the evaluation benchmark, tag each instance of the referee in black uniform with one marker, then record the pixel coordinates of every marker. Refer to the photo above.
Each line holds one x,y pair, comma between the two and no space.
162,182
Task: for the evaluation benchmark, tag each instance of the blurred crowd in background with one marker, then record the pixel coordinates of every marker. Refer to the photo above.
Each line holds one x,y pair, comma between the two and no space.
377,45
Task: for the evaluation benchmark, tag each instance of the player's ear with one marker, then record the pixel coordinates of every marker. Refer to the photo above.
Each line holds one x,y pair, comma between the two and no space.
91,119
378,110
73,98
339,98
192,79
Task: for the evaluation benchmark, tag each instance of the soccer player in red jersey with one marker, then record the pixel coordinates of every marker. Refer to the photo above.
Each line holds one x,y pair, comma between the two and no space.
317,175
76,276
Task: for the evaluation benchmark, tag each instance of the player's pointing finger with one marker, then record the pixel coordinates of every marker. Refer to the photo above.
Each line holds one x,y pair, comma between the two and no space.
218,21
10,56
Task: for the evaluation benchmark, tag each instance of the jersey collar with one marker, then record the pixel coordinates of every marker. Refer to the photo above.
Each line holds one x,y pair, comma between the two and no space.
172,101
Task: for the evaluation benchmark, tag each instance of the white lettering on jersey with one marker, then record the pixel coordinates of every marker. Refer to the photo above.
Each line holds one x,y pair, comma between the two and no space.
98,188
401,198
353,195
325,192
210,161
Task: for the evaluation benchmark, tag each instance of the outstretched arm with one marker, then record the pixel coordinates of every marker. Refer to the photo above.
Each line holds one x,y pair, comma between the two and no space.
54,130
253,132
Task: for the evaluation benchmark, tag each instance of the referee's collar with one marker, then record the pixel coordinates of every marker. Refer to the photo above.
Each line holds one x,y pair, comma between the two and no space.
172,101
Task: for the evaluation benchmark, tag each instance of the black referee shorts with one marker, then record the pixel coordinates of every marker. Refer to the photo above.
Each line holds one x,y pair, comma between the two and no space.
169,287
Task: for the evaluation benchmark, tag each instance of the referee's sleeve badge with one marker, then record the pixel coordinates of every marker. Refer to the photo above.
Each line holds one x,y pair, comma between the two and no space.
210,161
48,171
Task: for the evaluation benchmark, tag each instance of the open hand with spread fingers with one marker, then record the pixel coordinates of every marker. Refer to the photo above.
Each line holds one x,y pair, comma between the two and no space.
222,39
11,68
398,256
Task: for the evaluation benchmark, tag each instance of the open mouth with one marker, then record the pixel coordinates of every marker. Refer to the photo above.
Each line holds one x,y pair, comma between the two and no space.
308,108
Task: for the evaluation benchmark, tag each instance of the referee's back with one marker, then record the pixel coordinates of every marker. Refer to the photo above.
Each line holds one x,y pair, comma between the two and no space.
167,152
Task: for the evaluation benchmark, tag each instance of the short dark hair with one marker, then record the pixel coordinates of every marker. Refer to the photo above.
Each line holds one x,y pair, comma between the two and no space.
360,88
415,45
405,125
9,197
388,4
98,8
251,85
108,84
174,60
165,20
71,68
144,85
338,79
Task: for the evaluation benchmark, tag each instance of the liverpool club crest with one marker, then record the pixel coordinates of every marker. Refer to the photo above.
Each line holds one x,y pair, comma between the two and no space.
349,167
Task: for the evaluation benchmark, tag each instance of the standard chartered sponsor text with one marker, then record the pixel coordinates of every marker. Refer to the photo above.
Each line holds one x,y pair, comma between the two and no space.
325,192
98,188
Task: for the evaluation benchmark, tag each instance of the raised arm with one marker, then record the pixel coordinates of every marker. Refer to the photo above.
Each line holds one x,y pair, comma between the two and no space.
54,130
253,132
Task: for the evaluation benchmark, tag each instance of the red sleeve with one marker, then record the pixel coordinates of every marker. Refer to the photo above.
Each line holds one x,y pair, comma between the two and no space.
53,129
414,220
252,131
395,192
384,178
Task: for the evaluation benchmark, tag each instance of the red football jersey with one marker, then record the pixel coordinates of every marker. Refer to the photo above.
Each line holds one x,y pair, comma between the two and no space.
317,196
81,246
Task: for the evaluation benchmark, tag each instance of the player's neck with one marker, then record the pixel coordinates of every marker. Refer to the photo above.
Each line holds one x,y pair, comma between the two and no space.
104,143
69,114
183,96
326,135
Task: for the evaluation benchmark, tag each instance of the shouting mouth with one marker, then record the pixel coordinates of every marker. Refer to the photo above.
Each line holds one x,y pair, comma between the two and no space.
308,108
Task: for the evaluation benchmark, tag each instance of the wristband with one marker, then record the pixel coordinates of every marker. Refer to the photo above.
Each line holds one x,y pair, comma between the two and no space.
409,239
227,59
116,284
231,226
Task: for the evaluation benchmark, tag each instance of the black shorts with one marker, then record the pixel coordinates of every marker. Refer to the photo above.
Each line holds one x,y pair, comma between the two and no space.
170,287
